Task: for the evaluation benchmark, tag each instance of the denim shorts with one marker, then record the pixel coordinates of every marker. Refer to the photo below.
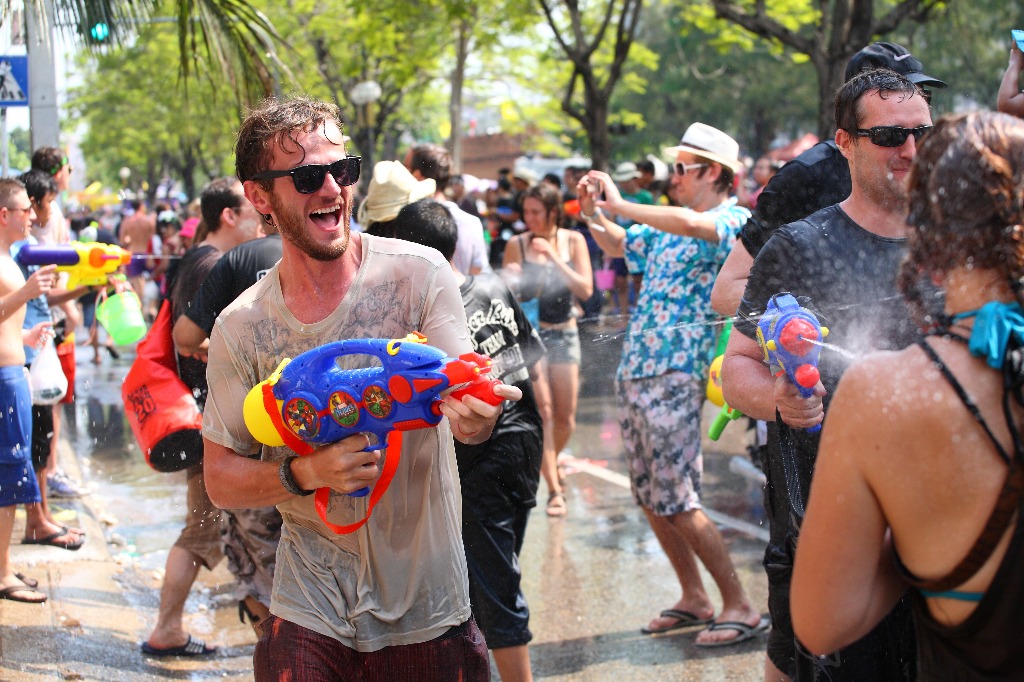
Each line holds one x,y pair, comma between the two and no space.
563,345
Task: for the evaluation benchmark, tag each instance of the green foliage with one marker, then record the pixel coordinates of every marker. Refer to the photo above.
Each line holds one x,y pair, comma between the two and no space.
226,37
19,150
138,116
754,94
967,45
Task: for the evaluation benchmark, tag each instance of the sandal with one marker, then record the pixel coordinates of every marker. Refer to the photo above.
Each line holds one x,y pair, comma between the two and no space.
556,505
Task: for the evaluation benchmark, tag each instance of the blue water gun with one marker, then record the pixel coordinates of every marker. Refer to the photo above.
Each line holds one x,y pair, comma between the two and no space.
312,401
790,337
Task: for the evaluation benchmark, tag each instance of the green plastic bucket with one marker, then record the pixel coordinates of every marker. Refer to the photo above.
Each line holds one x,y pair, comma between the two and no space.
121,316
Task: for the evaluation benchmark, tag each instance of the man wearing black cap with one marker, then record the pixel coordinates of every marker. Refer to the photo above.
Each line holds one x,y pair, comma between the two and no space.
845,259
817,178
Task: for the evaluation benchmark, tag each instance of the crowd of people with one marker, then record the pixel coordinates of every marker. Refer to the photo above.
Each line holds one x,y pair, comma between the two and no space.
903,234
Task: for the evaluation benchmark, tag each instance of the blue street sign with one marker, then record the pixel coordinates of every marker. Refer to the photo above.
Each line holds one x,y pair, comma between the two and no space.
13,81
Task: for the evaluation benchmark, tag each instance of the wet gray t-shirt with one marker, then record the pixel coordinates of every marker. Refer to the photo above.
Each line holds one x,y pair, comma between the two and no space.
401,578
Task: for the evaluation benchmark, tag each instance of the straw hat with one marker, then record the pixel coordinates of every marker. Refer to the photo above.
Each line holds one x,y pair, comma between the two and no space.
709,143
391,187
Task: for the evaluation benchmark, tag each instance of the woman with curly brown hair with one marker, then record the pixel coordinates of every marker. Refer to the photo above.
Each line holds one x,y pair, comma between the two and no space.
919,477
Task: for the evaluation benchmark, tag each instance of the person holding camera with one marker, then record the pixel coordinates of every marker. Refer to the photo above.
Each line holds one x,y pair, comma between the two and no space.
660,384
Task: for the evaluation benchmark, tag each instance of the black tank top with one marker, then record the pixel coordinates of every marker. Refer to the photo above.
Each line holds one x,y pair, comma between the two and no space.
987,645
546,284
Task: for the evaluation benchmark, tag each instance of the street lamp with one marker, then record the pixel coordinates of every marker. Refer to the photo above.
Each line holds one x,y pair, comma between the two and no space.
363,95
124,174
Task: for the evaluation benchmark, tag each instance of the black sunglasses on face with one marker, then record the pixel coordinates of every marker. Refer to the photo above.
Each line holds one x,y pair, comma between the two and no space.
309,179
892,136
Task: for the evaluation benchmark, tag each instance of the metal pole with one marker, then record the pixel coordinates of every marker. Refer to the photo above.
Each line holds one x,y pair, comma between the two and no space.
42,72
5,141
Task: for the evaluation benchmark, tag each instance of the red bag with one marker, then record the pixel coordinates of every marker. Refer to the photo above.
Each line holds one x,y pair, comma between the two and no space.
161,409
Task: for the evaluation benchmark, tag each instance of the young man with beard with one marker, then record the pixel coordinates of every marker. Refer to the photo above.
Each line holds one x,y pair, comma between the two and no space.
844,258
389,600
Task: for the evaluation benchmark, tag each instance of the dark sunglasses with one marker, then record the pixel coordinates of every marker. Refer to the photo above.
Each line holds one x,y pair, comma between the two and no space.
893,136
684,168
309,179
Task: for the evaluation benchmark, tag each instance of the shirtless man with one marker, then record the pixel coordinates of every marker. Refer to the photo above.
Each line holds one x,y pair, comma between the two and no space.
136,235
18,483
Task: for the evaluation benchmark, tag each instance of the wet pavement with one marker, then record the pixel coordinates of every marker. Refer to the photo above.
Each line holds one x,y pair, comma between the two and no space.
592,578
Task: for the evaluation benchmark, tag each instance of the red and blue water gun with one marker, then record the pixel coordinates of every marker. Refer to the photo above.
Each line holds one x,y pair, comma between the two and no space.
312,401
790,337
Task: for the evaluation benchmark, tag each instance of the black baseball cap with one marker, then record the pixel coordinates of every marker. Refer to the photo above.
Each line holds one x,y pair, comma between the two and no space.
894,57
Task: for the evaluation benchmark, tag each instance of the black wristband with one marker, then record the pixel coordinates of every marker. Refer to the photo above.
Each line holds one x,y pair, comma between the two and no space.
288,478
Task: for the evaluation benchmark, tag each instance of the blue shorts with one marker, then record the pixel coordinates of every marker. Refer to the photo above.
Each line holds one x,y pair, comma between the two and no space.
18,483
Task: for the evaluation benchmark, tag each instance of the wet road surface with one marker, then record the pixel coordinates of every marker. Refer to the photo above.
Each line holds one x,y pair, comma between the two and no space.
592,578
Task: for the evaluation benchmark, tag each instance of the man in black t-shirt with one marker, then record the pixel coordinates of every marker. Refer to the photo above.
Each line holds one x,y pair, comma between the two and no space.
232,220
817,178
500,476
249,537
239,269
844,259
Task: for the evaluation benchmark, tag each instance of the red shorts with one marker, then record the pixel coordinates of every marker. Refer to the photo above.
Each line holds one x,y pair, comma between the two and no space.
287,651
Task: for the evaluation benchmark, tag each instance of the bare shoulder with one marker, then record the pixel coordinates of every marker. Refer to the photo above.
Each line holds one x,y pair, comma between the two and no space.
886,383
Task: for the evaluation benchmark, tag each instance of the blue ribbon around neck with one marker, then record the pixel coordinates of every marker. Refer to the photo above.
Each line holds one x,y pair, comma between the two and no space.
994,322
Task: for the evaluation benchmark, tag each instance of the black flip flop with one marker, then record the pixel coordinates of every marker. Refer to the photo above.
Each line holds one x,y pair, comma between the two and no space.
684,619
193,647
743,631
51,540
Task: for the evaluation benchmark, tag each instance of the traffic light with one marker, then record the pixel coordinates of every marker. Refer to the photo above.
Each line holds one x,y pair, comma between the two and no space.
96,32
100,32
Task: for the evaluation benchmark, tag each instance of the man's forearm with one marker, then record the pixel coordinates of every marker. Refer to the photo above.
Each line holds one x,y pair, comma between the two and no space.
672,219
731,281
747,384
610,237
188,336
237,482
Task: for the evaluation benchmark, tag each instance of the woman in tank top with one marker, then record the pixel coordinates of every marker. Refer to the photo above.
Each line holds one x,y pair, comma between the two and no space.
550,268
918,479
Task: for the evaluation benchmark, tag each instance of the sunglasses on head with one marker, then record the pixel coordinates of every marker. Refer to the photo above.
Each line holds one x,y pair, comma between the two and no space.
309,179
892,136
684,168
63,162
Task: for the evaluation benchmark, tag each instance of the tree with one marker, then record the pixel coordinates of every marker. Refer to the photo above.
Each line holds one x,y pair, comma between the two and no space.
477,28
228,38
828,35
394,43
167,134
754,92
570,24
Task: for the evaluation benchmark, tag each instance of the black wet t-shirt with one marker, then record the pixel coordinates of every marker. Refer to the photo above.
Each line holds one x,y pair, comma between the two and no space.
239,269
817,178
849,276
